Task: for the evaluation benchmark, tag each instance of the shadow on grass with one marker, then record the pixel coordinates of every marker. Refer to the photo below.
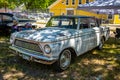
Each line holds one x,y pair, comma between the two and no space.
104,64
14,67
11,64
93,65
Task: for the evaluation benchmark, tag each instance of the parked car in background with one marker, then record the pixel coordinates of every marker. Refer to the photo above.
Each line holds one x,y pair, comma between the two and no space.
6,22
117,33
64,38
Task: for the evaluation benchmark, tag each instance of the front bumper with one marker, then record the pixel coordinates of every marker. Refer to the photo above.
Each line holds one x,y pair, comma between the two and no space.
32,56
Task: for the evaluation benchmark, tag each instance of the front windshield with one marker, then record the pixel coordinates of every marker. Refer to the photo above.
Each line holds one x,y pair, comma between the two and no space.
62,22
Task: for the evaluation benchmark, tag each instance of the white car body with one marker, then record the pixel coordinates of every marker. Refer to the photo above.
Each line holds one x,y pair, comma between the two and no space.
46,45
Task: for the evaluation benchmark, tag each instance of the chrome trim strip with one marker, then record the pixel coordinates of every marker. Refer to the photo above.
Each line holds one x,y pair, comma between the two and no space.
32,41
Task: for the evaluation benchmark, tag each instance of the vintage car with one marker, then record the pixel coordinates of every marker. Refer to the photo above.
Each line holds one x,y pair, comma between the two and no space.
63,38
6,22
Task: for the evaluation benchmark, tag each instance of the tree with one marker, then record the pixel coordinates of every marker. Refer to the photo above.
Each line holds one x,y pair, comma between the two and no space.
36,4
29,4
11,4
3,3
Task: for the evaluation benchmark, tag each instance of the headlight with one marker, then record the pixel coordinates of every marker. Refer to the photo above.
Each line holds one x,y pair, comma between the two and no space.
47,49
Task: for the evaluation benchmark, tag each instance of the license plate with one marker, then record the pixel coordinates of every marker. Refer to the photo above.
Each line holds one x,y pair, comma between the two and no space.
26,57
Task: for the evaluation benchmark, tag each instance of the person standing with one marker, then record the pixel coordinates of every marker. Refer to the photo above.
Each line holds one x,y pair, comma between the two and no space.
15,26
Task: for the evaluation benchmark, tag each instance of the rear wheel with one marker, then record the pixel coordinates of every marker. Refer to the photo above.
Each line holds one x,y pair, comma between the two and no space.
100,47
64,60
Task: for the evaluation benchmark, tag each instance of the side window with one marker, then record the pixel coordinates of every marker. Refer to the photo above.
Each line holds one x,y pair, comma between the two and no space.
6,18
84,23
70,23
67,23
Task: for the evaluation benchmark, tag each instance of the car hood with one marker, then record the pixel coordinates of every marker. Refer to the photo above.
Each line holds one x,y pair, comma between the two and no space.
47,34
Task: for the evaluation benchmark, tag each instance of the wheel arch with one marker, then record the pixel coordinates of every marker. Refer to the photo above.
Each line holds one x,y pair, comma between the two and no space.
73,52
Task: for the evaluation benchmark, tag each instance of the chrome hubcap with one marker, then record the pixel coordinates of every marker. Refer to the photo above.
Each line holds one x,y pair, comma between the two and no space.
65,59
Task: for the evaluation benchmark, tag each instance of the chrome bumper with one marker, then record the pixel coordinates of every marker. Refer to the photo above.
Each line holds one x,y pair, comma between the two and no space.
32,56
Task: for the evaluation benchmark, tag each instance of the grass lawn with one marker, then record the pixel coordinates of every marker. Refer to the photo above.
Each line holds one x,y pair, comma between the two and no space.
94,65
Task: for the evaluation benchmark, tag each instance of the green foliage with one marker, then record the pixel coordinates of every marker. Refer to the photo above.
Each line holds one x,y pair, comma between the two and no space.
8,4
29,4
37,4
3,3
12,5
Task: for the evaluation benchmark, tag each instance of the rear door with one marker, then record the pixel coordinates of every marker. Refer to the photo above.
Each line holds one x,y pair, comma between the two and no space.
93,35
85,35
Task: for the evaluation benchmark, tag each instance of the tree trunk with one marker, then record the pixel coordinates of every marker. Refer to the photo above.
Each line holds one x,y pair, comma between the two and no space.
5,7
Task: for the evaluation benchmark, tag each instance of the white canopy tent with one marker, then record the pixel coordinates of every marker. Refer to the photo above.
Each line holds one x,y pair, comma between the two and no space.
102,6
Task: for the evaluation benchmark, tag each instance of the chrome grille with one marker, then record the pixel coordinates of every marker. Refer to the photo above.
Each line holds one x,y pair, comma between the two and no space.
27,45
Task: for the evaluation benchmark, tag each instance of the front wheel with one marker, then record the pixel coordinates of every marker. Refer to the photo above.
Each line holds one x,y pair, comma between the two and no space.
64,60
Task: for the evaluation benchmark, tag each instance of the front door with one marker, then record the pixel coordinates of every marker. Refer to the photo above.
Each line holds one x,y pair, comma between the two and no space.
87,39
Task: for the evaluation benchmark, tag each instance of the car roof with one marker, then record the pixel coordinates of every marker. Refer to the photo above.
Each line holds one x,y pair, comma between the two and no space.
73,16
10,14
